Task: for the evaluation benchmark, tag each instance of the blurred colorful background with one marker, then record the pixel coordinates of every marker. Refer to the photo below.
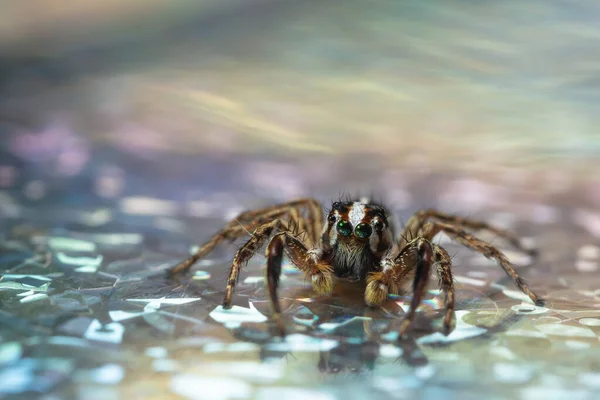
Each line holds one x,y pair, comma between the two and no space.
449,83
159,120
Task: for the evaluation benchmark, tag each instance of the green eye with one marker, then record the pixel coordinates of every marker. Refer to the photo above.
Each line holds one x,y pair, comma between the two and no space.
344,228
363,230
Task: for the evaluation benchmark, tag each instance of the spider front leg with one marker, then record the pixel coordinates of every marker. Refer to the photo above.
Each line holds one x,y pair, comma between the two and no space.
308,261
416,257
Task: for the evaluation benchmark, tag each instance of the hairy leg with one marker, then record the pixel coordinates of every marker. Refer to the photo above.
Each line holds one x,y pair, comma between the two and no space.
488,251
416,257
245,222
245,253
319,272
416,224
251,215
444,273
274,255
412,259
424,260
300,227
393,274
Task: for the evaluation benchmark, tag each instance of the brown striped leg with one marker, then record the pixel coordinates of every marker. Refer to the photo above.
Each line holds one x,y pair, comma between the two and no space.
274,257
490,252
424,260
251,215
241,225
229,233
394,272
245,253
416,257
312,224
300,226
444,273
310,264
416,223
206,248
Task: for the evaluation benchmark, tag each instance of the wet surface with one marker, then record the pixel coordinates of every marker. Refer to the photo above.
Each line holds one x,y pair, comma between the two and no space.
87,311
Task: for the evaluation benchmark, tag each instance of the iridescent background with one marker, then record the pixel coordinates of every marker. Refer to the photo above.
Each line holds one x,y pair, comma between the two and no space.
131,130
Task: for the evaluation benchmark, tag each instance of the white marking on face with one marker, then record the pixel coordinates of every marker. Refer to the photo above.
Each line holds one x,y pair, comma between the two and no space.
333,232
356,214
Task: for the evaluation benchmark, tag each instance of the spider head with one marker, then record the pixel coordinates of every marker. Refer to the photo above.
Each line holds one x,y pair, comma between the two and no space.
357,223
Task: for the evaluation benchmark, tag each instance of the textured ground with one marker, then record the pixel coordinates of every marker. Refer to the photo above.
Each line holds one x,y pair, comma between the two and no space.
86,310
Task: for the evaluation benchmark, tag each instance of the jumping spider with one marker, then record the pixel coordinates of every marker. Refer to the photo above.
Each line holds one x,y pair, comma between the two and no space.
356,241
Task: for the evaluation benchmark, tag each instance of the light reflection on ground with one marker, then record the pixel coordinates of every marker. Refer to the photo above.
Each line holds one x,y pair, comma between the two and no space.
92,293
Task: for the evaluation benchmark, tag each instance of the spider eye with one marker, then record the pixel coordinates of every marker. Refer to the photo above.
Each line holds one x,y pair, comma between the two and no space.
363,230
378,225
331,218
344,228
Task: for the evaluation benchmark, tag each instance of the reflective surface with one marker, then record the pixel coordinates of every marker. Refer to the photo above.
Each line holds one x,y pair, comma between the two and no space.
121,151
87,311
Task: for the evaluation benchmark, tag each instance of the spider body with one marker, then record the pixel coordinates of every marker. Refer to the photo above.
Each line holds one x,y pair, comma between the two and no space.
356,241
